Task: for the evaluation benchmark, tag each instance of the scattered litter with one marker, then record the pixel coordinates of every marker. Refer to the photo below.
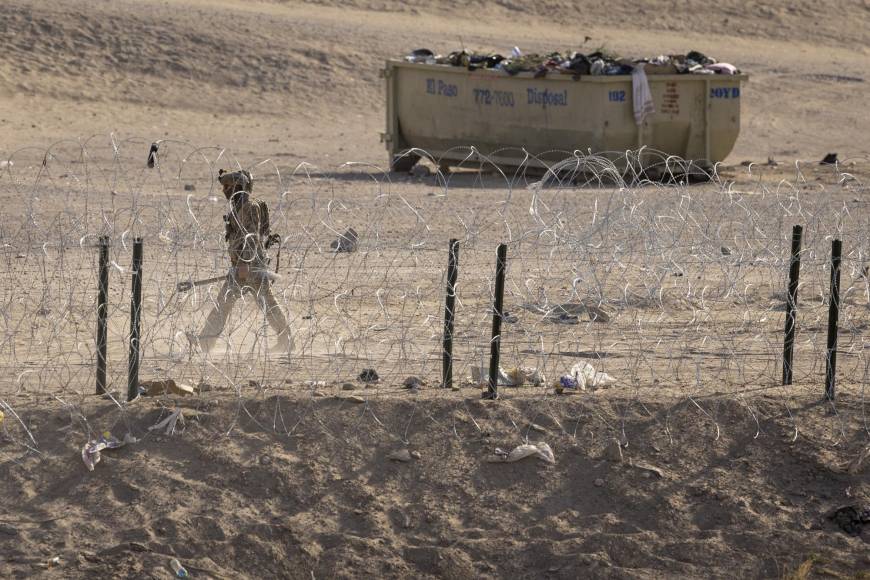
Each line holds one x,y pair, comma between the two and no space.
584,375
403,455
515,377
569,312
177,568
91,451
169,422
413,383
851,519
346,242
643,465
574,63
49,564
165,387
540,450
829,159
369,376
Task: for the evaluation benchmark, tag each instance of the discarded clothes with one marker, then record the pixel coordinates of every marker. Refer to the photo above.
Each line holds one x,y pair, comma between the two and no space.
91,451
582,376
540,450
516,377
642,97
573,63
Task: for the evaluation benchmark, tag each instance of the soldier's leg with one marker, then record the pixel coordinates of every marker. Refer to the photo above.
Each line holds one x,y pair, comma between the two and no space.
217,318
275,316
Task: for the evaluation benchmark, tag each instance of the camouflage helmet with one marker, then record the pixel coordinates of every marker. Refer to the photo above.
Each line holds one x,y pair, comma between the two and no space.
235,181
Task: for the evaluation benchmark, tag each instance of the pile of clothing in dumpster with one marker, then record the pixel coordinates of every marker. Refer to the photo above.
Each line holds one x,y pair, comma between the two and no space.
575,63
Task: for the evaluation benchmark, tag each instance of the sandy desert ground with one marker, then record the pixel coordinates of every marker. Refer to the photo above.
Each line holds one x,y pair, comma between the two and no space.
696,464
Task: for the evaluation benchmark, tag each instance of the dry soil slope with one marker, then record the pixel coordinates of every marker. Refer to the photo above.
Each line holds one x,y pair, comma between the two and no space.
309,70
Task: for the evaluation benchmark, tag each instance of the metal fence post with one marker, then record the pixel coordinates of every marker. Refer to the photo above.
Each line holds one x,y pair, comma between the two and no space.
449,314
135,311
833,317
791,305
497,314
102,314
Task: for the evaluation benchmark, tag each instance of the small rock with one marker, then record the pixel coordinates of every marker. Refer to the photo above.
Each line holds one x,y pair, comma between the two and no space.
355,399
613,452
829,159
402,455
599,482
420,171
413,383
538,428
8,530
346,242
726,251
189,187
415,454
369,376
348,387
265,460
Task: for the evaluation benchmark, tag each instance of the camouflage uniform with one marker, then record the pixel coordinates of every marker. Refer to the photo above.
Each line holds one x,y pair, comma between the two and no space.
247,232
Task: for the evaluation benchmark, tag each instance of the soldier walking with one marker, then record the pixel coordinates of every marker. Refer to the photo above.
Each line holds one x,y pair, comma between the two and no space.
248,237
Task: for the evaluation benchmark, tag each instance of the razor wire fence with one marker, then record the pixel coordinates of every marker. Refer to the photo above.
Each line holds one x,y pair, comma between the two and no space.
675,289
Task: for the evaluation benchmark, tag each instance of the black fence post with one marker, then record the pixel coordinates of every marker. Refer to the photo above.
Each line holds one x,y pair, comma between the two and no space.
449,314
794,273
497,314
102,314
833,317
135,310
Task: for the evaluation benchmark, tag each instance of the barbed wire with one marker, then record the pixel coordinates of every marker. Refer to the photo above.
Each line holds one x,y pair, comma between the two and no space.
669,277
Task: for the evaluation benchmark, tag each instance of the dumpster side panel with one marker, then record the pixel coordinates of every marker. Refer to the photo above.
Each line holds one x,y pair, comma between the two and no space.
724,97
440,110
447,110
